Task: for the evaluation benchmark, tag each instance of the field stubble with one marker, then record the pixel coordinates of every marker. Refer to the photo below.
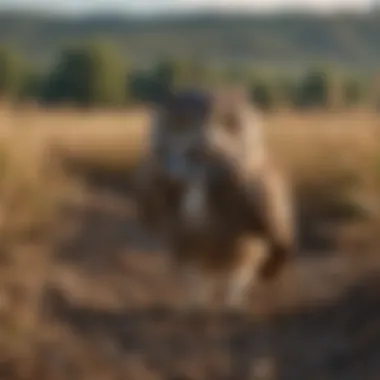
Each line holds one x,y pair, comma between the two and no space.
84,293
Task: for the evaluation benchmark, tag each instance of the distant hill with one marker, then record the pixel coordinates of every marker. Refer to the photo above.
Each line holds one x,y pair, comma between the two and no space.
288,41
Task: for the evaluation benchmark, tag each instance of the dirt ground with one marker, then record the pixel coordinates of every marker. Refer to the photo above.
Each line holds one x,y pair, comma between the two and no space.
97,301
109,312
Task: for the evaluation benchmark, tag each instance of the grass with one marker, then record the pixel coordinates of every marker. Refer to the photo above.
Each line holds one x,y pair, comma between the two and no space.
333,160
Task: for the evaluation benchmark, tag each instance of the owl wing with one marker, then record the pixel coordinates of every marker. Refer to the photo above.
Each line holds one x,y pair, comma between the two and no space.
271,213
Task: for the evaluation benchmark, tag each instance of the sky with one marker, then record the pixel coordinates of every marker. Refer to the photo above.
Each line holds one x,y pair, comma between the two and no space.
163,6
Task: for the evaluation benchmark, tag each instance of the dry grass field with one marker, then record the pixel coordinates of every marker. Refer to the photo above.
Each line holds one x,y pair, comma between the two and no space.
85,293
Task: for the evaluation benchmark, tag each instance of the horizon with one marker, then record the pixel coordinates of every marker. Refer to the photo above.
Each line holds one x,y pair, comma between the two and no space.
172,7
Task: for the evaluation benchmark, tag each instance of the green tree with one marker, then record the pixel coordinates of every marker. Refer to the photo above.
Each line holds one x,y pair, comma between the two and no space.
263,94
162,77
154,84
93,75
139,86
353,92
317,89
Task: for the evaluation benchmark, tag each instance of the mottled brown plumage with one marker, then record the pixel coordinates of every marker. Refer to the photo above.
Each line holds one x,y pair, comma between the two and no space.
208,186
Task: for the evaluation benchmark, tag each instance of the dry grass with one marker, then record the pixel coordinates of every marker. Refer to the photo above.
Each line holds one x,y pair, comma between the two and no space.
332,158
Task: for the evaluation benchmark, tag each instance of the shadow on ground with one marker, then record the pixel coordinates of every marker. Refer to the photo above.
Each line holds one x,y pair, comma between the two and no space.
110,311
336,341
116,182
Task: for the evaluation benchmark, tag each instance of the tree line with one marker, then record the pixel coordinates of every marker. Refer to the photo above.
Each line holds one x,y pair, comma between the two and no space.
288,39
95,74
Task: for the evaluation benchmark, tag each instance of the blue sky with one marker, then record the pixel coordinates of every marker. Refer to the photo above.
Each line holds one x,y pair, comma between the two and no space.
154,6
